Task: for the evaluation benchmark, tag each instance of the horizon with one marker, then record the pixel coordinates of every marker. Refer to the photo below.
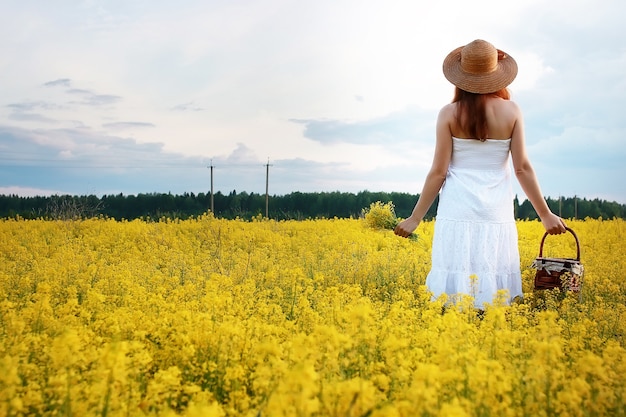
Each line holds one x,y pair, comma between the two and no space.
208,192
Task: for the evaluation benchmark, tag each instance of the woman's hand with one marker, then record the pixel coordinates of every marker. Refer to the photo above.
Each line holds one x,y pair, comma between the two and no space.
406,227
553,224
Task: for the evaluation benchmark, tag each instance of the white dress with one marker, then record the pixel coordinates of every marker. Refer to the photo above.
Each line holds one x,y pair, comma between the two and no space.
475,248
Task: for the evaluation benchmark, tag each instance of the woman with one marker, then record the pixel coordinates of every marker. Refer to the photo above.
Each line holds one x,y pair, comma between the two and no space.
475,249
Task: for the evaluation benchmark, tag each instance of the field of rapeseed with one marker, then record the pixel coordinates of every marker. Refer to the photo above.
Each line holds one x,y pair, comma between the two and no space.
212,317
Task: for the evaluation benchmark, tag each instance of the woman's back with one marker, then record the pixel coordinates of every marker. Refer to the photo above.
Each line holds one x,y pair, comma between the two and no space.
501,118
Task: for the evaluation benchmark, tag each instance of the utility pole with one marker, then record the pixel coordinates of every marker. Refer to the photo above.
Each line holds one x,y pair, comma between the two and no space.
267,188
212,203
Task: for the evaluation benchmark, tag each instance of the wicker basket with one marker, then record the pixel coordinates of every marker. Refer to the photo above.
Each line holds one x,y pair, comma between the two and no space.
563,273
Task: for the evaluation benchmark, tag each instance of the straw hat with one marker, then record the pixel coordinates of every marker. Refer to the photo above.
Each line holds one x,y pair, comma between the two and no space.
479,67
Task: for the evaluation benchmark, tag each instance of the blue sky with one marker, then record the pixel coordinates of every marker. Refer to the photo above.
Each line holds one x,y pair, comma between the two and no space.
138,96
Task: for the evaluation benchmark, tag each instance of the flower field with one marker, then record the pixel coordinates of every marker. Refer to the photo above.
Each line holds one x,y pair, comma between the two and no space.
213,317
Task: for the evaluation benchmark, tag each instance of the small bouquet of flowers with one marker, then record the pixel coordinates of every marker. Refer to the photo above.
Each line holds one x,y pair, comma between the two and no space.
382,216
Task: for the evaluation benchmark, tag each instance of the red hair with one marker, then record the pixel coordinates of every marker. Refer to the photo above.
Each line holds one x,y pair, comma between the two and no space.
471,115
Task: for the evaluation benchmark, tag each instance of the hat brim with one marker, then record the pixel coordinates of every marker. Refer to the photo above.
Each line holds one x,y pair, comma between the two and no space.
501,77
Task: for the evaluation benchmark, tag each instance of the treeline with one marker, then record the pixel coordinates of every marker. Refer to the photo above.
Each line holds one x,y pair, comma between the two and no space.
296,205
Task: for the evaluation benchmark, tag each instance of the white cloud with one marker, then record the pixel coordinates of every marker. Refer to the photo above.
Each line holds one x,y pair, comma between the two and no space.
30,191
221,79
66,154
531,72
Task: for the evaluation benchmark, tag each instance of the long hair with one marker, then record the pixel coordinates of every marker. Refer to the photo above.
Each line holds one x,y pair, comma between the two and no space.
470,112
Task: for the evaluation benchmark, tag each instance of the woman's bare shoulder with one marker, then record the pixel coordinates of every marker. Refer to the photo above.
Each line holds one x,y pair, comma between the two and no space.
447,112
500,110
508,105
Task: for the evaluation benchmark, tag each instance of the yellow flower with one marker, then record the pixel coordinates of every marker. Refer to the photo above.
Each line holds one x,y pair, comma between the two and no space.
295,318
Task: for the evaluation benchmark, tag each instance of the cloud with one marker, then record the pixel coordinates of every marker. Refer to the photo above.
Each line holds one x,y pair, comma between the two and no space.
581,161
399,127
66,154
90,162
352,105
190,106
61,82
93,99
33,105
51,147
288,175
242,155
25,111
29,191
127,125
79,91
31,117
298,174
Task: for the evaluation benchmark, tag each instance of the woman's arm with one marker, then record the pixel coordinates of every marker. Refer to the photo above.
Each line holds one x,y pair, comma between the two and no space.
528,180
436,176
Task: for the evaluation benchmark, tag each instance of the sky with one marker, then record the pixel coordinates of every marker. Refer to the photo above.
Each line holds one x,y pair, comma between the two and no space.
153,96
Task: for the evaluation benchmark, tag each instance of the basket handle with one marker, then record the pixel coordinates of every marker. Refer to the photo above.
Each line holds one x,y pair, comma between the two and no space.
575,237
